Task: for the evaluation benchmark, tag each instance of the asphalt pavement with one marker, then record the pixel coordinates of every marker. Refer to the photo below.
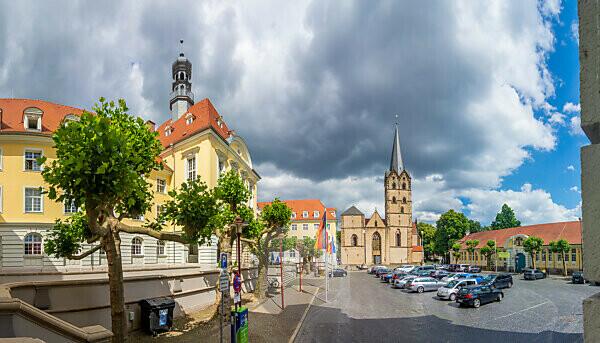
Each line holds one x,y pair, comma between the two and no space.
362,309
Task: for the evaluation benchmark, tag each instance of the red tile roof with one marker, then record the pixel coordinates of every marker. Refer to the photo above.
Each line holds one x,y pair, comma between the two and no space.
53,114
309,205
571,231
205,117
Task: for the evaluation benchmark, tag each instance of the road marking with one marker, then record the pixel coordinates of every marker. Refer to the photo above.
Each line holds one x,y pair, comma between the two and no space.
525,309
303,316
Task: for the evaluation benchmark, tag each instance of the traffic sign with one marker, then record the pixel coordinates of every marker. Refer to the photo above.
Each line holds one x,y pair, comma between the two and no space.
237,283
223,260
224,282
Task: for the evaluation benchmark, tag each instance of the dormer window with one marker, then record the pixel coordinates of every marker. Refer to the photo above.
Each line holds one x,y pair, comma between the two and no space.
69,118
315,214
189,118
220,122
32,119
168,131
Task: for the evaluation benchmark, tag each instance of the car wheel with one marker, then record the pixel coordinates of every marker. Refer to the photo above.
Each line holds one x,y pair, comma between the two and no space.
510,285
476,303
420,289
452,297
499,298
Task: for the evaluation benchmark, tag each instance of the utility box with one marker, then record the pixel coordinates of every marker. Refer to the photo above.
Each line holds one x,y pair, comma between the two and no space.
239,326
157,314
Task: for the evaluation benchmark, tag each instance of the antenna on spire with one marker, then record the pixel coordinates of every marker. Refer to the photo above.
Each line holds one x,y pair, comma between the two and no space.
396,119
181,42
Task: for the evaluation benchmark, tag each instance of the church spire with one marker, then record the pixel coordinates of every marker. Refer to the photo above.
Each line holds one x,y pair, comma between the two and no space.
182,97
396,160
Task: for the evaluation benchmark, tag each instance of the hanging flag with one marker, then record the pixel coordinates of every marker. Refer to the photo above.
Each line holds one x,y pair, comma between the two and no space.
321,240
332,250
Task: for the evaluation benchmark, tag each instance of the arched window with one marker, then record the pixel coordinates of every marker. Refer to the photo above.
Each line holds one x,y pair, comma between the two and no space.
393,200
376,241
402,209
136,246
404,200
354,240
160,248
393,185
398,238
404,185
33,244
376,223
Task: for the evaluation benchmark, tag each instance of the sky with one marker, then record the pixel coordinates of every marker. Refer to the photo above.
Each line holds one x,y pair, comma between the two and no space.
486,93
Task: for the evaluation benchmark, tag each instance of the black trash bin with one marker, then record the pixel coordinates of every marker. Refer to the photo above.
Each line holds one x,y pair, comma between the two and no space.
157,314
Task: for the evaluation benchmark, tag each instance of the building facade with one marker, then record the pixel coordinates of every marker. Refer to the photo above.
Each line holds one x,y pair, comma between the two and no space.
392,239
307,218
512,255
197,144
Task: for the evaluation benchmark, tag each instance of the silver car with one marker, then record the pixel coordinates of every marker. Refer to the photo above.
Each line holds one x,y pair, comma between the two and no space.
399,283
422,284
450,290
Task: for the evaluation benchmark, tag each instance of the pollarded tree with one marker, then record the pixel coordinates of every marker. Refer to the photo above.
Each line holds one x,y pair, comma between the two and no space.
563,247
102,161
456,251
533,245
488,251
471,245
273,223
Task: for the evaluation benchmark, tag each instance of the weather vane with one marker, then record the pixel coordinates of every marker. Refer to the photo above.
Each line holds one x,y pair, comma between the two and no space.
181,42
396,119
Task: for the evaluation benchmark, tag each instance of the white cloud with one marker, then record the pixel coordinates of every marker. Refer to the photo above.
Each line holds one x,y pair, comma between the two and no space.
575,126
530,205
575,31
571,167
557,118
570,107
575,189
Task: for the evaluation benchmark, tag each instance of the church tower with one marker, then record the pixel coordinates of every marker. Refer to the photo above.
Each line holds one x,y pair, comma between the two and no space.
398,204
182,97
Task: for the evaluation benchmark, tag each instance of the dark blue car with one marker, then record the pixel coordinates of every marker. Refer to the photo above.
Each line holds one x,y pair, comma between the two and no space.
478,295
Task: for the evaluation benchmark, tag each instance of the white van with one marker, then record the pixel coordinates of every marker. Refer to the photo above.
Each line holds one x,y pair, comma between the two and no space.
450,290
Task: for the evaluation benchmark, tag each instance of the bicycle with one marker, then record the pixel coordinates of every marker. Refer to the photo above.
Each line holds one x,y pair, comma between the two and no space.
273,283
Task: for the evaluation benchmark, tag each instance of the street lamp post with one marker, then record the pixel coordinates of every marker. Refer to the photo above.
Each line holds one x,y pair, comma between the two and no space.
239,227
365,245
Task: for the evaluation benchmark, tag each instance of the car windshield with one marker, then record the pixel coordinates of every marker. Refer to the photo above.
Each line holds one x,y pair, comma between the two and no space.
577,274
463,291
450,275
451,284
489,278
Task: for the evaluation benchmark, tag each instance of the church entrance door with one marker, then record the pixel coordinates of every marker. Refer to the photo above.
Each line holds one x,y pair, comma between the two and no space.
376,247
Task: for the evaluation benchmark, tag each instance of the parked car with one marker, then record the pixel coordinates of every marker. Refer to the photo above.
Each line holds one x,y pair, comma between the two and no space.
577,277
498,280
444,267
380,271
534,274
426,267
422,284
439,274
474,269
449,290
386,277
373,269
406,268
455,276
478,295
452,267
400,283
338,272
462,268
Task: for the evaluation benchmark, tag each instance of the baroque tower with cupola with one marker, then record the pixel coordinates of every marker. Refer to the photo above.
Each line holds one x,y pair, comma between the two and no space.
182,97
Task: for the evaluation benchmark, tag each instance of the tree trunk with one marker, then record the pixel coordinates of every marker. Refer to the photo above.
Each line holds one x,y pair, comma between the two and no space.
533,260
112,247
564,264
262,281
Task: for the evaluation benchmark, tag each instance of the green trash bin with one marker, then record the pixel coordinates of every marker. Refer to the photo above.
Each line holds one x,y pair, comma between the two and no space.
239,327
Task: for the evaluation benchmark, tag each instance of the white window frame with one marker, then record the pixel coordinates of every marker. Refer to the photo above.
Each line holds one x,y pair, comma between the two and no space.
164,185
133,247
70,207
316,214
36,117
32,150
332,214
188,171
160,245
316,226
305,227
25,199
304,214
33,244
293,215
294,227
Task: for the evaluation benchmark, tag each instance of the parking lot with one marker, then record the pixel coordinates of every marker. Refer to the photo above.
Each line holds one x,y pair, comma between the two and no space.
362,308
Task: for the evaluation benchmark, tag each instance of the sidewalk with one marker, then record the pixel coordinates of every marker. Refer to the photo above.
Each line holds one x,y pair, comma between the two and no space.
267,321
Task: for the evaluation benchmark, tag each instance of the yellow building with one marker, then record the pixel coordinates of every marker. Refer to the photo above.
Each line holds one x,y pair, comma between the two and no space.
512,255
197,144
307,218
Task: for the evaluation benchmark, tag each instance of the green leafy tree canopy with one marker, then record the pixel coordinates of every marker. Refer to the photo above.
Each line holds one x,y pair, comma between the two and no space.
505,219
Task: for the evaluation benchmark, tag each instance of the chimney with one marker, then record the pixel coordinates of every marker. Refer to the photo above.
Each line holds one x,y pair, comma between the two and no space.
151,125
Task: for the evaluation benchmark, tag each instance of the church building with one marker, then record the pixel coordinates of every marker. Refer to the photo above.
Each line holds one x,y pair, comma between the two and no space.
389,240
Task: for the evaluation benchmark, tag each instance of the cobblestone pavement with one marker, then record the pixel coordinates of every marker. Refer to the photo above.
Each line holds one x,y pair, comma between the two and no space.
362,309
